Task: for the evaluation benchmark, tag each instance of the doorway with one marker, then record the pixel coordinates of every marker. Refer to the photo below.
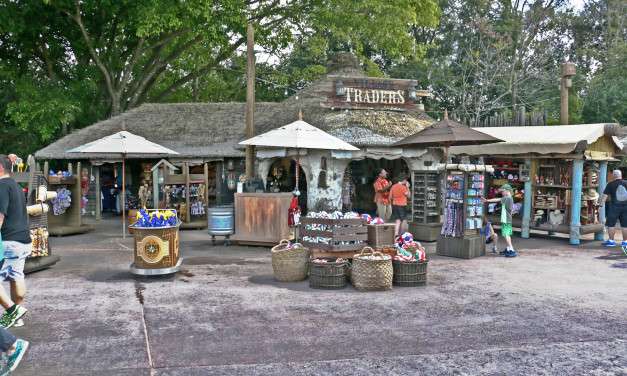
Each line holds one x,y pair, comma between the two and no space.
363,173
282,178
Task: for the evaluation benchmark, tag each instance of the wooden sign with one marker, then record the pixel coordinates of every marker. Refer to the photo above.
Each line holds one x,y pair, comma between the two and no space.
374,93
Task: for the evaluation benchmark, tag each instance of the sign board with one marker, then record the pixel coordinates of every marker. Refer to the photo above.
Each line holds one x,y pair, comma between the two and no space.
374,93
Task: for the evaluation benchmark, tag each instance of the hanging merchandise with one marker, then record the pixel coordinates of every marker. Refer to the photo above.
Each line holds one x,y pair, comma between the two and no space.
62,202
197,208
39,241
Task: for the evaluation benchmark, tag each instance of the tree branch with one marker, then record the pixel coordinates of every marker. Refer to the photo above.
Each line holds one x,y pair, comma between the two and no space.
206,68
94,55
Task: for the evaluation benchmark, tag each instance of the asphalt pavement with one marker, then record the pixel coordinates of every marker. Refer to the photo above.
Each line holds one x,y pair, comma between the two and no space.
554,310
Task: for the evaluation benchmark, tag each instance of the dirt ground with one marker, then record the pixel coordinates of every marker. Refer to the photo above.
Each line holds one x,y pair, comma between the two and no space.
555,310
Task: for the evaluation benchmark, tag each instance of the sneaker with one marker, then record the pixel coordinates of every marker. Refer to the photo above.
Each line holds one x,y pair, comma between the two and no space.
19,323
511,253
8,319
20,349
609,243
503,252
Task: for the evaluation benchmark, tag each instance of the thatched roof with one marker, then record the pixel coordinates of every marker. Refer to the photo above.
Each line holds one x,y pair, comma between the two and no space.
212,130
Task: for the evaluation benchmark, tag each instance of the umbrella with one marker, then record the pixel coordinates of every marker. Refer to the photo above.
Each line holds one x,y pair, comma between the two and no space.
299,135
122,143
447,133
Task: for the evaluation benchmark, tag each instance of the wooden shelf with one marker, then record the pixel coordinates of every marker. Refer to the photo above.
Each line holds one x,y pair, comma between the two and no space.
552,186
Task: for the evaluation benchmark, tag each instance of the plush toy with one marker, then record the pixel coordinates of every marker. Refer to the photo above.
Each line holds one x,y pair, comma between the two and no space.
407,237
377,221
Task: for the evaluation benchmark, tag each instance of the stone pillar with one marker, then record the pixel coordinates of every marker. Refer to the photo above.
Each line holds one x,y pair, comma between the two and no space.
575,204
526,220
602,183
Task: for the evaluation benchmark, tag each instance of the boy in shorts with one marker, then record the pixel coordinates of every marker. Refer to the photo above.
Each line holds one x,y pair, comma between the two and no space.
507,205
399,193
17,244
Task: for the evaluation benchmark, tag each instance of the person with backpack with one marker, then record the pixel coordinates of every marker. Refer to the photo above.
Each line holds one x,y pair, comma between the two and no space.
616,211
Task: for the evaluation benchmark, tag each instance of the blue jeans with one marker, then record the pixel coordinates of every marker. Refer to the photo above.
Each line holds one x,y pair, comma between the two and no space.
6,340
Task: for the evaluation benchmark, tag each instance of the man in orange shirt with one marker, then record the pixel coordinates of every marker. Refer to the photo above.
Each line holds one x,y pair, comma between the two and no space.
382,195
399,194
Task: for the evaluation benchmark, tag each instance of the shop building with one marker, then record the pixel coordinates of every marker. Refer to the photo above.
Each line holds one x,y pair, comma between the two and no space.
369,113
557,172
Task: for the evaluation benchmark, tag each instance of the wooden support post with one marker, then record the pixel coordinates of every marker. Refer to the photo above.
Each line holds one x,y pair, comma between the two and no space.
602,180
98,194
575,204
219,173
568,70
187,201
527,201
250,100
155,188
206,172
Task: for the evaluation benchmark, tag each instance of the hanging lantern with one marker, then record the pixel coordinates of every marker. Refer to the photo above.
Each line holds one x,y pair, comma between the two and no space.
231,181
340,90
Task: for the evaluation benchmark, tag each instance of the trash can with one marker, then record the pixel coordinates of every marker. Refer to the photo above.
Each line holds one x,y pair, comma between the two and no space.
220,222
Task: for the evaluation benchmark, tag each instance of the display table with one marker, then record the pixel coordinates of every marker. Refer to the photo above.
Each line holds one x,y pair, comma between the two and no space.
261,218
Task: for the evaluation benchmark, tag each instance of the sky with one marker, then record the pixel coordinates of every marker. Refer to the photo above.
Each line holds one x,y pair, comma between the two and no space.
577,4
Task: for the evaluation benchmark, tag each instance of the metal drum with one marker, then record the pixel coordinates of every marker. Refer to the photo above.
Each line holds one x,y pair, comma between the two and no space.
220,221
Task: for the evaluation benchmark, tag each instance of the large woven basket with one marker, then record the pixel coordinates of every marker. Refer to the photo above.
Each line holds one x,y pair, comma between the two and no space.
329,275
289,261
410,273
370,275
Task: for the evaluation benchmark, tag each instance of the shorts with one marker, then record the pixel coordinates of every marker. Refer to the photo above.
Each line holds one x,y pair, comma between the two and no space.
506,229
399,212
615,214
384,211
15,254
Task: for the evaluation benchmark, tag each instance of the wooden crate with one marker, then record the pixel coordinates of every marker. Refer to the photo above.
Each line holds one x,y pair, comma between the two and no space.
466,247
338,230
381,235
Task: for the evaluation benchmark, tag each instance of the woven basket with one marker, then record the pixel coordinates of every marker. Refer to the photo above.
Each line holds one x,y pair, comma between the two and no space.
330,275
410,273
289,262
371,274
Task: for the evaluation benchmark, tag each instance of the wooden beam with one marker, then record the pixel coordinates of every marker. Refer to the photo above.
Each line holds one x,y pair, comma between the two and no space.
250,100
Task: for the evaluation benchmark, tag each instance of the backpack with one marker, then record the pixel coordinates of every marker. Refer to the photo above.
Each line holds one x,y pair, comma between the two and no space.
621,193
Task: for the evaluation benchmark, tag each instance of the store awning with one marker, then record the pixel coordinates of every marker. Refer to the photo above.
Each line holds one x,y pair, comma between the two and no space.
556,139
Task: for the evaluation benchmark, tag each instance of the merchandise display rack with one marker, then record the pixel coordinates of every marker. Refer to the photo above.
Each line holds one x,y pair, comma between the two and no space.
463,213
425,204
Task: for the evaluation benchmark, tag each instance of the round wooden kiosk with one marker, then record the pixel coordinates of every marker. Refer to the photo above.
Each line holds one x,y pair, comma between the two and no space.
156,250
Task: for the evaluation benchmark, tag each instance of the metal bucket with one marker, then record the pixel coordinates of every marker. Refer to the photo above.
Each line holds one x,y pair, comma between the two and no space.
220,220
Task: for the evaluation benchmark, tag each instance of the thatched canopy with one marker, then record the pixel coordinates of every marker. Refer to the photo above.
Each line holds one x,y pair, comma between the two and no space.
213,130
447,132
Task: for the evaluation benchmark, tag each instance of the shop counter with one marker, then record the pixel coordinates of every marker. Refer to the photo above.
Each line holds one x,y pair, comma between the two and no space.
261,218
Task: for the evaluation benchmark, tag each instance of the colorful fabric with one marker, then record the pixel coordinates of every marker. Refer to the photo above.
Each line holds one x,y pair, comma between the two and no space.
506,229
381,195
398,194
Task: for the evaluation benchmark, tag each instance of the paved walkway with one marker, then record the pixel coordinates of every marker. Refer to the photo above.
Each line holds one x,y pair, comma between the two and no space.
555,310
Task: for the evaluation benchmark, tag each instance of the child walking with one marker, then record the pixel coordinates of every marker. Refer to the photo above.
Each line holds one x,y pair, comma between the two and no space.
491,237
507,205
